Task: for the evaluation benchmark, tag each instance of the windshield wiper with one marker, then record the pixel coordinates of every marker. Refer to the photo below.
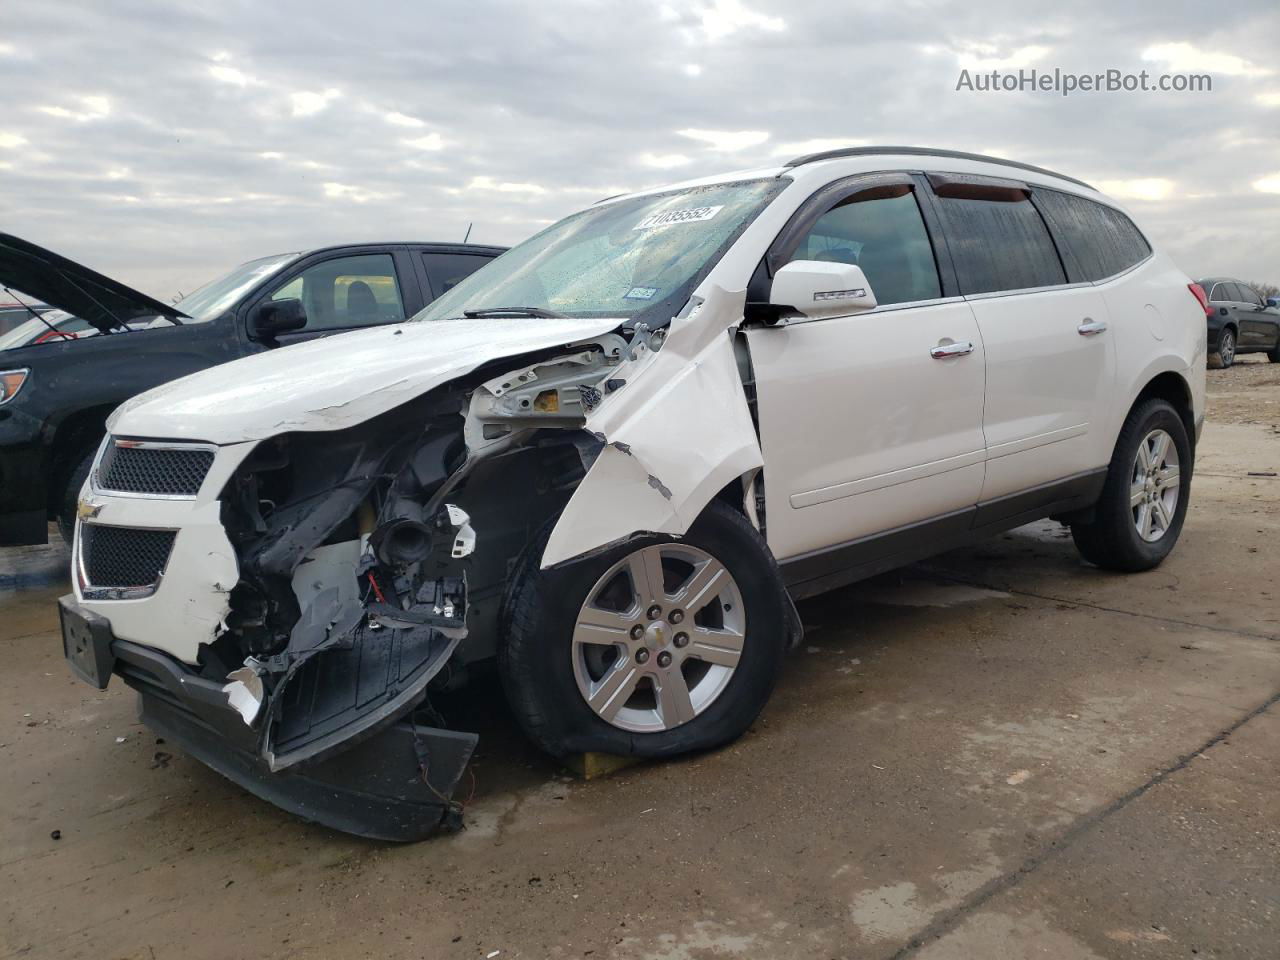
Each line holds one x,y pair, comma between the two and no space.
513,312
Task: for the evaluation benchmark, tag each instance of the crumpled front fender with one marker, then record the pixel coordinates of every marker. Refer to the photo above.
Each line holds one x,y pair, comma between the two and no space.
676,434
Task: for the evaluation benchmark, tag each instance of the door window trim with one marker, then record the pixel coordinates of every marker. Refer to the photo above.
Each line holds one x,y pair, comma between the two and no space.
792,321
1024,291
822,201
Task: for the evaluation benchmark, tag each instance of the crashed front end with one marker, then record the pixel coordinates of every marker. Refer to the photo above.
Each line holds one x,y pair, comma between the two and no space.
285,607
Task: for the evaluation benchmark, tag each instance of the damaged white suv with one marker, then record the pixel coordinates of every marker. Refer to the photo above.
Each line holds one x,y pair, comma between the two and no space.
613,456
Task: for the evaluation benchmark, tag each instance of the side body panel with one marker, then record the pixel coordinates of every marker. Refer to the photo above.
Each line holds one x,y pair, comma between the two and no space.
73,386
1158,327
862,429
676,434
1049,386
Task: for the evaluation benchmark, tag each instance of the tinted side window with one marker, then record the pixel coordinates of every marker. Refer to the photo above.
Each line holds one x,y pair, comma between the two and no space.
447,270
347,292
1219,292
884,236
999,245
1230,291
1099,241
1249,295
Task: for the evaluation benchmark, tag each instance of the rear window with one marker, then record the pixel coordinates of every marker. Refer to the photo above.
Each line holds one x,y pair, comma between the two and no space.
999,244
447,270
1098,241
1230,290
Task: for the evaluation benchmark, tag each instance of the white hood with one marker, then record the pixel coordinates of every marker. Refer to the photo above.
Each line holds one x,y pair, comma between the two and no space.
336,381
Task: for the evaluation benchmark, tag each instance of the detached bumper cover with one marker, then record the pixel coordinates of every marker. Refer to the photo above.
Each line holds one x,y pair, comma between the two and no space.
393,786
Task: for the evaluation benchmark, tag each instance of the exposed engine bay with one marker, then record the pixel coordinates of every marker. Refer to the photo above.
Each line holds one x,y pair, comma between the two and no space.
361,572
352,549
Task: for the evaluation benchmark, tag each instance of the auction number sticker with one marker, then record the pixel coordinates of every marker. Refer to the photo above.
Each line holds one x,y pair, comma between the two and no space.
687,215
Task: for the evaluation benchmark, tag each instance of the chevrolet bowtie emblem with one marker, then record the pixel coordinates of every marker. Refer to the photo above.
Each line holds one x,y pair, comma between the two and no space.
87,509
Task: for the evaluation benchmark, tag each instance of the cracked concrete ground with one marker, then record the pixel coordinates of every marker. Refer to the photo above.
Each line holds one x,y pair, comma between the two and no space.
1002,753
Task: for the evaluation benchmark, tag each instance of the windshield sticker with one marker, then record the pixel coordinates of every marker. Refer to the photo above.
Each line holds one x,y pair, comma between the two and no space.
688,215
640,293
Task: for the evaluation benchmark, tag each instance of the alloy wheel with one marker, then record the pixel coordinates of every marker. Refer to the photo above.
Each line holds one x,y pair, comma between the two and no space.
658,638
1227,348
1155,486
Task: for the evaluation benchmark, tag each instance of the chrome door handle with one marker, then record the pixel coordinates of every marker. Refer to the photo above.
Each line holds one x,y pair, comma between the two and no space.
1090,328
944,350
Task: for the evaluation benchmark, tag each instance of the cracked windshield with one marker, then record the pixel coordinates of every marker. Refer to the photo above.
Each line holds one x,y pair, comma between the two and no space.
630,258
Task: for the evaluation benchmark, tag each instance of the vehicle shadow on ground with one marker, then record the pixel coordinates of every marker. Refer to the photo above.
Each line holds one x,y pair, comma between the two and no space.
866,615
25,568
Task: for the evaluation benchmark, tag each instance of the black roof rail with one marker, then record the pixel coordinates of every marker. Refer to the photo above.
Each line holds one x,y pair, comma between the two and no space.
926,152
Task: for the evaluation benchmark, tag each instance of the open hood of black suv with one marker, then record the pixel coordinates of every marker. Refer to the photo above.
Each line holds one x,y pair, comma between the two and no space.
70,286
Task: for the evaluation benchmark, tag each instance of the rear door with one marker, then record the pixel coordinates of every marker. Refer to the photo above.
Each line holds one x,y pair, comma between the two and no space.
1229,293
864,430
1050,365
1257,325
444,271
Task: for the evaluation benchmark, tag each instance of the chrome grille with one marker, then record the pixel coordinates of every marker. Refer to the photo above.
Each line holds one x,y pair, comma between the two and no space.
119,557
164,471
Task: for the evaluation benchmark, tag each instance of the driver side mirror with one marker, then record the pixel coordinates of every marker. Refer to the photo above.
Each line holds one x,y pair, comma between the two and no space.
817,288
275,317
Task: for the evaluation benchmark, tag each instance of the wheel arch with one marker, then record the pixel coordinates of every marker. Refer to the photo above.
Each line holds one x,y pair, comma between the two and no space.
677,438
1174,388
75,434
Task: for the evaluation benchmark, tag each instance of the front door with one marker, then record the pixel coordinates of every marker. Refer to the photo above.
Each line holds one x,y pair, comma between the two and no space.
348,291
870,422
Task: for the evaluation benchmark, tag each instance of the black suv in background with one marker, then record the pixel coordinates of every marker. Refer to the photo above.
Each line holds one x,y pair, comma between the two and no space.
55,396
1240,321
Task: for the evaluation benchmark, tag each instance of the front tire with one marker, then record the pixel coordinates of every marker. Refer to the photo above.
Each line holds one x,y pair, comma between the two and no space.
71,496
655,648
1139,516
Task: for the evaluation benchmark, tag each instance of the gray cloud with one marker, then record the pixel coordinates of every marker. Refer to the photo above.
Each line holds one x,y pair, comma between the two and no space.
164,142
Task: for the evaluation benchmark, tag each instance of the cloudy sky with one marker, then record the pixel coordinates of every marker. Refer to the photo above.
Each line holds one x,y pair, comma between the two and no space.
163,142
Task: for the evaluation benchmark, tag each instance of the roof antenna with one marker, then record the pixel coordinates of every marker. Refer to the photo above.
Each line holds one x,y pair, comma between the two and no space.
469,226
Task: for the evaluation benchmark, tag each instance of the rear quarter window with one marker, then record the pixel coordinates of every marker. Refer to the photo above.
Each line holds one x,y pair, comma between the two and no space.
1097,241
999,244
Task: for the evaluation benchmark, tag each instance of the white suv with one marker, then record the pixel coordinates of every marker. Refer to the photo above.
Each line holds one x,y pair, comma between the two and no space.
613,456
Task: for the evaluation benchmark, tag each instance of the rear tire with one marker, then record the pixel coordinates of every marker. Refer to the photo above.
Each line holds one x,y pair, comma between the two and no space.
576,687
1274,354
71,496
1139,516
1226,352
